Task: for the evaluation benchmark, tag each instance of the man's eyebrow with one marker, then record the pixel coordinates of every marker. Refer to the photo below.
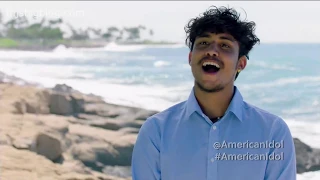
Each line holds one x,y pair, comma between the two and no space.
204,35
224,37
227,38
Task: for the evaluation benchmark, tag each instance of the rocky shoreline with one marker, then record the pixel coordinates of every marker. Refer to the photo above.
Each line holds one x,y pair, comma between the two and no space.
64,134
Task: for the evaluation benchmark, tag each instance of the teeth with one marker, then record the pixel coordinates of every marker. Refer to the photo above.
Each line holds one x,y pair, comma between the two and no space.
211,63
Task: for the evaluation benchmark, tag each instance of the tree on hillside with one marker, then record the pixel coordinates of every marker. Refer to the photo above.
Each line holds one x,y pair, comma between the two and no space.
113,29
19,27
112,33
120,37
22,22
79,34
133,33
55,22
10,24
142,27
126,33
107,36
96,32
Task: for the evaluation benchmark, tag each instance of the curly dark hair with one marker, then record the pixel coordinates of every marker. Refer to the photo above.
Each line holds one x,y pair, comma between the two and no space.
223,20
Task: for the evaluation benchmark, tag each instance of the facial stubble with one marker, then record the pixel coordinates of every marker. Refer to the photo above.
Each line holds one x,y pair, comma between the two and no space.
218,87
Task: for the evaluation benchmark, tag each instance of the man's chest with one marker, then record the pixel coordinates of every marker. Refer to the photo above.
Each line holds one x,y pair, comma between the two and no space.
213,155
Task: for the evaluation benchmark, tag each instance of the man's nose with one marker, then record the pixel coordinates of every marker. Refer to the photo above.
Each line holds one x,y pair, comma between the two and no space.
212,50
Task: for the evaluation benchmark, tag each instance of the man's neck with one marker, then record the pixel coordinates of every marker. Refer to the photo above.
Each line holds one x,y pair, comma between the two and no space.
214,104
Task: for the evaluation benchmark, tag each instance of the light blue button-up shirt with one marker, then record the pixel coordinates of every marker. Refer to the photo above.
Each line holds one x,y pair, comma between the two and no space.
181,143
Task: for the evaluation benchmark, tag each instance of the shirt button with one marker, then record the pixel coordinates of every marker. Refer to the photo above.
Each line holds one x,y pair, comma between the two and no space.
214,127
212,159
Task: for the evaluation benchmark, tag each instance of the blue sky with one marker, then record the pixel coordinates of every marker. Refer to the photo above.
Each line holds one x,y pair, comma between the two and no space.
276,21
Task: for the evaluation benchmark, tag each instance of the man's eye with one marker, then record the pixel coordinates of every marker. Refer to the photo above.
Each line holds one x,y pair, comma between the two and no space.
203,43
225,46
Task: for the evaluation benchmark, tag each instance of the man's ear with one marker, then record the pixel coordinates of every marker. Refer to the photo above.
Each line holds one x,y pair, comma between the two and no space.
190,55
242,63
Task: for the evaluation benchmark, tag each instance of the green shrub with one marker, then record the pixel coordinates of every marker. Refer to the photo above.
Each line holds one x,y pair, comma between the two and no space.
8,43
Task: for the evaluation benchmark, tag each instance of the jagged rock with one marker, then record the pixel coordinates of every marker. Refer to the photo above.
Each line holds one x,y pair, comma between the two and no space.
78,101
129,130
115,124
39,104
144,114
76,166
48,146
62,88
308,159
94,155
109,123
23,99
116,111
63,100
119,171
23,164
83,116
21,143
20,106
96,147
61,104
124,145
100,109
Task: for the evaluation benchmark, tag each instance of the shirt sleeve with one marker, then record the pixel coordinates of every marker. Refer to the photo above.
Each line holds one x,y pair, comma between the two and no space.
283,167
146,153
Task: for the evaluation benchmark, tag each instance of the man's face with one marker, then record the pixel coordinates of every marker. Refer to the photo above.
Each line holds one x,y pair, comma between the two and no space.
214,61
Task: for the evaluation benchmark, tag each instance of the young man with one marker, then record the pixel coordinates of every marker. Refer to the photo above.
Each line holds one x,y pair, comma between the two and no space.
215,134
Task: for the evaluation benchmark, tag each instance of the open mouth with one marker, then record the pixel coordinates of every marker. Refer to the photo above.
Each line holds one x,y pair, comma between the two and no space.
210,67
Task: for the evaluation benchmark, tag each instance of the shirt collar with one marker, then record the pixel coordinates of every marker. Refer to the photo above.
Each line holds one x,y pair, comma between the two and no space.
235,105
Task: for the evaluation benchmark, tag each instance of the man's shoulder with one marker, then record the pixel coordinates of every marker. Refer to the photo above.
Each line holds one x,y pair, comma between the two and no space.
259,115
171,111
157,121
255,110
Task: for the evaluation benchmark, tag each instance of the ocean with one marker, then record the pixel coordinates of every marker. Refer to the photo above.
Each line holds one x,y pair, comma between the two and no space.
281,78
